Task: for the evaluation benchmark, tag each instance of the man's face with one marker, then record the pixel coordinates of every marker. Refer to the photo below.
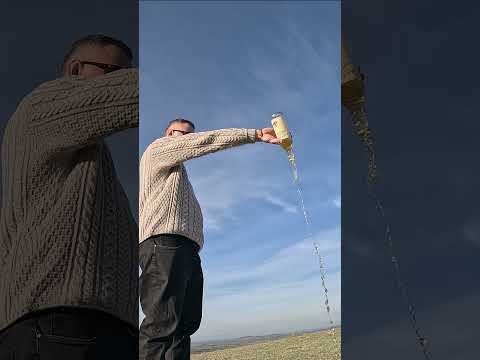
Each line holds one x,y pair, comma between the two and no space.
80,62
179,129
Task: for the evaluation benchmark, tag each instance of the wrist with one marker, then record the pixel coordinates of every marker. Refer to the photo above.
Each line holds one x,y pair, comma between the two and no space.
258,134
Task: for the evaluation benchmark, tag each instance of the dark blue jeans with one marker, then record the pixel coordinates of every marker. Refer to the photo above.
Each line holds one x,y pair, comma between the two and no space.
171,290
69,334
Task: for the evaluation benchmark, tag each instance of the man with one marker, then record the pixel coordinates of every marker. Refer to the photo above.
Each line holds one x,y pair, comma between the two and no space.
68,241
171,235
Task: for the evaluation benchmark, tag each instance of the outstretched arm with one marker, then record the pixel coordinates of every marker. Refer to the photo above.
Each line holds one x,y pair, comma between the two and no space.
70,113
169,151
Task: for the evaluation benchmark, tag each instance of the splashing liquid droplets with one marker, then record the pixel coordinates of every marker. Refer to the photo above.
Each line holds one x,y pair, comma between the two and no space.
293,164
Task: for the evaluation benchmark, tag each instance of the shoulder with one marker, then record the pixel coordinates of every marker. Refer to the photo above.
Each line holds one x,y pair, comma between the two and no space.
64,87
63,95
160,142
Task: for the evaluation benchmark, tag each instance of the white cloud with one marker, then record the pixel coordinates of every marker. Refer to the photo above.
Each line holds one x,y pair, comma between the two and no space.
228,181
279,294
299,256
284,205
276,307
337,202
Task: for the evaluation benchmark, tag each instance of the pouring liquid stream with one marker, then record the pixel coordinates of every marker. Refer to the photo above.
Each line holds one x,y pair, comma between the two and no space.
293,167
281,131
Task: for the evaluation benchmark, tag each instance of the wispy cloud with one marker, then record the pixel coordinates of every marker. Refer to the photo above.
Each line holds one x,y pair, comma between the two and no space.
269,309
337,202
227,182
299,256
284,285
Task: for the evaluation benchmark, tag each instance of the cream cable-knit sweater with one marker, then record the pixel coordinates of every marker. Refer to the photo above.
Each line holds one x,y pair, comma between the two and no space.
67,235
167,203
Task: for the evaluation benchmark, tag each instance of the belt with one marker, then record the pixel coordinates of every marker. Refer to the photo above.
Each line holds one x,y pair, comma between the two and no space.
174,240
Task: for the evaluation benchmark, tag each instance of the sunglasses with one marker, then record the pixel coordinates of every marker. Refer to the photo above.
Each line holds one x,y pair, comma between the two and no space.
107,68
183,132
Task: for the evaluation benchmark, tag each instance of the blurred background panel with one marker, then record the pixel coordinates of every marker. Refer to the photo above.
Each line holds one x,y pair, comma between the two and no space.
421,99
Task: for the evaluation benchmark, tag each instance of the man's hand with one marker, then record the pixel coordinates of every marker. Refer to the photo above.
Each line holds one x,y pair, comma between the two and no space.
267,135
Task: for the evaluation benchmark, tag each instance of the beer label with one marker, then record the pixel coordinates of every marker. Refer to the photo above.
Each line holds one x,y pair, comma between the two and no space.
280,128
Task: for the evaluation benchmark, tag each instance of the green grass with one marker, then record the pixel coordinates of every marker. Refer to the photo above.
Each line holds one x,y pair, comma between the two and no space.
322,345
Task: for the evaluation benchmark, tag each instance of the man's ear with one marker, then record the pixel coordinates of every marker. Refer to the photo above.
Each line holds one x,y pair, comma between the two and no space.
73,68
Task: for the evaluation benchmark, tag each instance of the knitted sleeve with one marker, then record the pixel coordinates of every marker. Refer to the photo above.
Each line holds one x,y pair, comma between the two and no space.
66,113
169,151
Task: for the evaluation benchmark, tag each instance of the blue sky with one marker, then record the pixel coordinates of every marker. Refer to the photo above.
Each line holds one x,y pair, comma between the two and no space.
225,64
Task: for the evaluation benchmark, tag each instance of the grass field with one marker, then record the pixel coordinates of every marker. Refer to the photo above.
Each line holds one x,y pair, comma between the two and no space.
322,345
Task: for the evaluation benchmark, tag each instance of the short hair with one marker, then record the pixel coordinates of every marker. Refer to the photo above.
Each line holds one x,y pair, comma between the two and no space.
100,40
179,120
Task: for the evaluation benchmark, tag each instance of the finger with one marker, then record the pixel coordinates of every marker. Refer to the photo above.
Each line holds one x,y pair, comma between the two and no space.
272,140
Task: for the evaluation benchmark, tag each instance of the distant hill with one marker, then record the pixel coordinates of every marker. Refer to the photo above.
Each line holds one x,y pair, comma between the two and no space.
320,345
204,346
